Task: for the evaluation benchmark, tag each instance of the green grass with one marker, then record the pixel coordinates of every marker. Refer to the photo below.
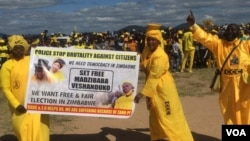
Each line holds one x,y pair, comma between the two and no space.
194,84
191,84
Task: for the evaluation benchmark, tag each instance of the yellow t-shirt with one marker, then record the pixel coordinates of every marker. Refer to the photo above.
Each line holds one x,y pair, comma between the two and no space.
125,101
58,75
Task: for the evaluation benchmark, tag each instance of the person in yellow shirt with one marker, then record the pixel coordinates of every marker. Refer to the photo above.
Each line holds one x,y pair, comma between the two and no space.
55,70
166,117
180,41
13,82
189,51
125,101
234,97
79,44
4,52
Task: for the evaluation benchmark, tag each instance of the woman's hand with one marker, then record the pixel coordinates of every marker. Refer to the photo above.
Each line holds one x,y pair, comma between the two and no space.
138,97
21,109
191,19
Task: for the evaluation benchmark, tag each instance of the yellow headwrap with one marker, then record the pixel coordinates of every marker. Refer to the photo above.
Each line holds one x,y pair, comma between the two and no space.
14,40
153,30
154,34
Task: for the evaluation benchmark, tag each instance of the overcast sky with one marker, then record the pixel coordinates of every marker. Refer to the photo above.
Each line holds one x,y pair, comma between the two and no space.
33,16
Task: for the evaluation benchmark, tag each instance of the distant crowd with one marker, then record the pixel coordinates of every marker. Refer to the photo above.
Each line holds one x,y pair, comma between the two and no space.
125,40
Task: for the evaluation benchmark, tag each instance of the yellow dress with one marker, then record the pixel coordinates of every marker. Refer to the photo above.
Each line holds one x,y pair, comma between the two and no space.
13,78
166,117
234,98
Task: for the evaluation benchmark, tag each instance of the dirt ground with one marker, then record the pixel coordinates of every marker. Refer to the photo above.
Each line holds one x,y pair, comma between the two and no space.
202,113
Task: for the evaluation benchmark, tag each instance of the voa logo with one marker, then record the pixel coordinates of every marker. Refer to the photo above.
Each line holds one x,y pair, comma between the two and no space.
236,132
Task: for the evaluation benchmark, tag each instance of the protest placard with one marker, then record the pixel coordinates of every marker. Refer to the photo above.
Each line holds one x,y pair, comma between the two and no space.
82,82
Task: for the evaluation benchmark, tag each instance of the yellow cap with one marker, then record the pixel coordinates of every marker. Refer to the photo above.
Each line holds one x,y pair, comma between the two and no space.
180,32
2,41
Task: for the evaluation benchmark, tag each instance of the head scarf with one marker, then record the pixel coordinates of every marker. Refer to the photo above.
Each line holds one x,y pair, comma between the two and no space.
15,40
153,30
154,34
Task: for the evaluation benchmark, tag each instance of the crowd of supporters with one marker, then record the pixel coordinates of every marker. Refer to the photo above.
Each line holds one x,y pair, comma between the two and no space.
126,40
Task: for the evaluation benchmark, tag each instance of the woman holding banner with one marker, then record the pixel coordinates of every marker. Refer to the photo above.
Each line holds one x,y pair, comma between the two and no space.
166,117
13,83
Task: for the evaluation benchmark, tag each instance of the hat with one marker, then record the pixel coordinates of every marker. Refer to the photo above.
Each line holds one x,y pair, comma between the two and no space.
41,63
153,30
2,41
153,26
179,32
60,61
15,40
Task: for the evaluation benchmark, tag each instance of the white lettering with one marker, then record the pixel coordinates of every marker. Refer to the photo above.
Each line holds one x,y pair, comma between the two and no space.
242,132
236,132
